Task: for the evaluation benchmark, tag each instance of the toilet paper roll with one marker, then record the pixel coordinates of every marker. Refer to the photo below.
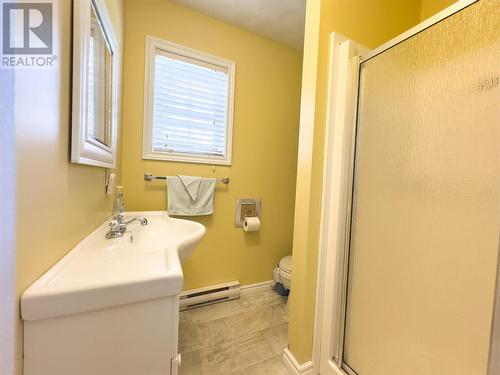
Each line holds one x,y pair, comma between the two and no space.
251,224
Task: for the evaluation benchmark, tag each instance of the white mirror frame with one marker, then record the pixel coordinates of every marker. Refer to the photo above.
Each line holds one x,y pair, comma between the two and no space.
86,150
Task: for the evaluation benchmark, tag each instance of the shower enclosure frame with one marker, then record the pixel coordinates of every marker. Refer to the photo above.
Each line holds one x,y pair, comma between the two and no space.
346,57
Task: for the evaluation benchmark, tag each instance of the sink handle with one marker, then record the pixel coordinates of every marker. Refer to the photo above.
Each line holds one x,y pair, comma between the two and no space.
114,224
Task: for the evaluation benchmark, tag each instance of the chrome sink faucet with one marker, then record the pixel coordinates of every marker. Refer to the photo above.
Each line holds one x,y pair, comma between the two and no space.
117,225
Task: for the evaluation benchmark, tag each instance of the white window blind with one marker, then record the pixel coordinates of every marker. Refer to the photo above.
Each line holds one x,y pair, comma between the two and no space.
188,105
91,90
191,99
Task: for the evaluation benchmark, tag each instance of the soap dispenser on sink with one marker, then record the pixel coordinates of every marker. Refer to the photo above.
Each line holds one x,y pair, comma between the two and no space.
117,225
118,205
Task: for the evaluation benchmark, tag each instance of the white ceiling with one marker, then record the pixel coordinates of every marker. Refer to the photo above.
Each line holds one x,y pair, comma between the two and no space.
279,20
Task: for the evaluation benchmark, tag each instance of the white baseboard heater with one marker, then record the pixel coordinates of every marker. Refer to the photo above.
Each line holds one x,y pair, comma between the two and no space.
190,299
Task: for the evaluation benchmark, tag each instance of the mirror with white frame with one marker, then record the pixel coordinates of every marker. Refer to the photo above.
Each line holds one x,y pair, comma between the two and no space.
95,85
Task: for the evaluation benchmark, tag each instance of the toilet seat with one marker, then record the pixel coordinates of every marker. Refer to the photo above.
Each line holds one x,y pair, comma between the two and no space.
285,271
286,264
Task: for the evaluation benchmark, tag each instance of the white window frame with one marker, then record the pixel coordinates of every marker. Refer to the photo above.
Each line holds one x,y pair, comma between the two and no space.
152,45
85,149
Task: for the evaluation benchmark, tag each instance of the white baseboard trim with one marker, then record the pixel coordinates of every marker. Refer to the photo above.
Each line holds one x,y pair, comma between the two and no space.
245,290
293,367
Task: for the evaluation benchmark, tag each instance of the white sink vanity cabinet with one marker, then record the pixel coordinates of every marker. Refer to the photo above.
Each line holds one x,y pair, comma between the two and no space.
111,306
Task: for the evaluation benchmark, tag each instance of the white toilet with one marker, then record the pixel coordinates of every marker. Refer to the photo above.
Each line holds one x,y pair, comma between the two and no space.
284,269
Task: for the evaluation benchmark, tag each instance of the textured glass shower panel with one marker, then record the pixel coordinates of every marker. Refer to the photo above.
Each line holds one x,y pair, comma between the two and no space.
426,213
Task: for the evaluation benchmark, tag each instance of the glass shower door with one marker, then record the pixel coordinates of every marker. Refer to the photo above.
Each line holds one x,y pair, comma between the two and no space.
426,202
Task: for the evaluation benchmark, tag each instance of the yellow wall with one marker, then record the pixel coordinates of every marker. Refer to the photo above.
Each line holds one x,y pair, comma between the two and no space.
58,203
371,24
431,7
264,146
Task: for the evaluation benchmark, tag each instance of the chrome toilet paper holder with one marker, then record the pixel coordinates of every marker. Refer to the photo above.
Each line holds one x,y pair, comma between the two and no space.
244,208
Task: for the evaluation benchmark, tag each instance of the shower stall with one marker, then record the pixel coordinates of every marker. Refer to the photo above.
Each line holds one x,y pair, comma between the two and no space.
410,235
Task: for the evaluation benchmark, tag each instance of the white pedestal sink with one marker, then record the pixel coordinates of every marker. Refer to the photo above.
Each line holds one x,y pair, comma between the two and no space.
110,307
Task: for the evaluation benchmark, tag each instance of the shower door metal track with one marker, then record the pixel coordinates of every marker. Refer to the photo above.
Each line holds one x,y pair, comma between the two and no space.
448,12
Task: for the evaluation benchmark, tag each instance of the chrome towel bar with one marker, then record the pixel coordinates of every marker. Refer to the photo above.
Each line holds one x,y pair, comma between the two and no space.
150,177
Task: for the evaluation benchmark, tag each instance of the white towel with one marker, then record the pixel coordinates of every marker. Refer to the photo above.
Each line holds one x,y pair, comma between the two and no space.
190,196
192,185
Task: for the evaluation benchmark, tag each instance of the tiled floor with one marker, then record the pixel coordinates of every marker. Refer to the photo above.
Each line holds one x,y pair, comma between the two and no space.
245,336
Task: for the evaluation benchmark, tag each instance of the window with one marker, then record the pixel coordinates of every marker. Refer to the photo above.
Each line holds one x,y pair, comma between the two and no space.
188,104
